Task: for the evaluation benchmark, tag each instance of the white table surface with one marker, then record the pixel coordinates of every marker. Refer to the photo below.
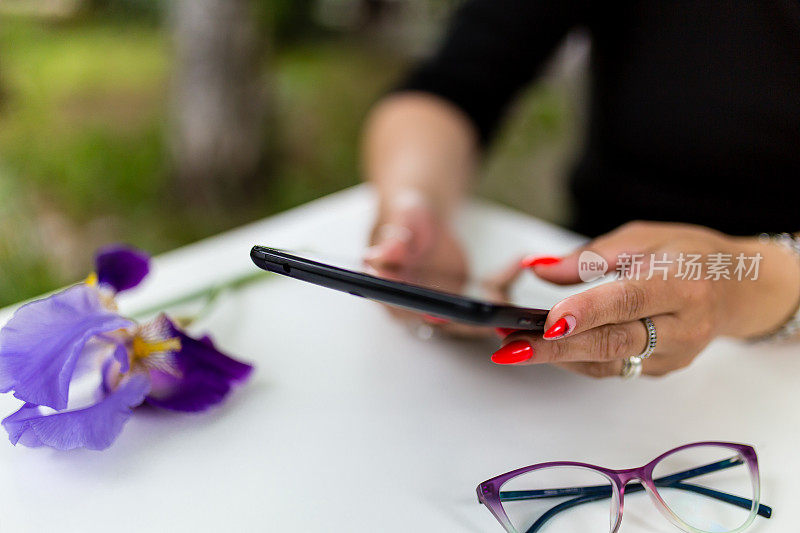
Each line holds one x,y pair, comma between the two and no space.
352,424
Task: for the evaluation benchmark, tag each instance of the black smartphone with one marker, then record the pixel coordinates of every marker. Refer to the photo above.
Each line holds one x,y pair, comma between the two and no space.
412,296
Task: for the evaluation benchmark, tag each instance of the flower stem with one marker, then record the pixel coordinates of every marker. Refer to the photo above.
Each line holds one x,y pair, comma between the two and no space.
210,294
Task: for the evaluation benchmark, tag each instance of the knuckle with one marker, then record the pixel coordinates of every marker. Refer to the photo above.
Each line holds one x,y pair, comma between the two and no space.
694,333
614,343
590,316
699,291
692,293
681,338
702,331
631,301
685,291
557,350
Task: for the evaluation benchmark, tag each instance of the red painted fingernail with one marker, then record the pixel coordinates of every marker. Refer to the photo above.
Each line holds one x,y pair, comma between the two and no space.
504,332
435,319
532,261
513,353
561,328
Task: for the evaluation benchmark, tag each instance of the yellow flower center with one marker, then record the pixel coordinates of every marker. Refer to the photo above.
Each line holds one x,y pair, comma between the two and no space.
142,349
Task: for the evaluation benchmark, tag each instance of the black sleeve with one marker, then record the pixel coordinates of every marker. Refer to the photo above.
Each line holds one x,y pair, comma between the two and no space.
491,49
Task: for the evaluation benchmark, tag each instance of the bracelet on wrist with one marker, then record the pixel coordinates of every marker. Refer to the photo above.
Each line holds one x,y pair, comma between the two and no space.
790,328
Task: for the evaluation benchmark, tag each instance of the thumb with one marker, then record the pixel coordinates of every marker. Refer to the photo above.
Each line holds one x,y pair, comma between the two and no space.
591,261
560,270
392,246
403,237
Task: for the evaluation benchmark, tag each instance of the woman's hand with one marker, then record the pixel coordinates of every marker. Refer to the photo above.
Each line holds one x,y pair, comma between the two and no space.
420,154
410,242
594,331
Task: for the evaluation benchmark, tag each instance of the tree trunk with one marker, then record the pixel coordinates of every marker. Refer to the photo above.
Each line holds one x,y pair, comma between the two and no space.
218,134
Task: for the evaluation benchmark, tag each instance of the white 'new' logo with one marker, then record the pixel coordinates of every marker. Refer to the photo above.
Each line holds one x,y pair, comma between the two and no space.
591,266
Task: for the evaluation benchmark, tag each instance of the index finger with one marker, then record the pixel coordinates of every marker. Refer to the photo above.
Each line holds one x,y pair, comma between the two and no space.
615,302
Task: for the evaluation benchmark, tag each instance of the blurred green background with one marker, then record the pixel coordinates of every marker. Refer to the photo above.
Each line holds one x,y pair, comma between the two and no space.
87,123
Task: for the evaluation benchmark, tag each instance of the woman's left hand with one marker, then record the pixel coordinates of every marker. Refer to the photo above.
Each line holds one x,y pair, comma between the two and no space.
592,332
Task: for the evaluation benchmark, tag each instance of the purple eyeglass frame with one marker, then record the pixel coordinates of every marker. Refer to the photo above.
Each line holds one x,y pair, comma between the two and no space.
490,495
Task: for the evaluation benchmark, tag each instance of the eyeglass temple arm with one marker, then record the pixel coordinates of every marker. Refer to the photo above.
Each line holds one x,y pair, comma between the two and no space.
598,492
674,481
563,506
744,503
763,510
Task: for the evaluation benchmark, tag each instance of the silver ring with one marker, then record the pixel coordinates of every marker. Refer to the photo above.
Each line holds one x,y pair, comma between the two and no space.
631,367
652,338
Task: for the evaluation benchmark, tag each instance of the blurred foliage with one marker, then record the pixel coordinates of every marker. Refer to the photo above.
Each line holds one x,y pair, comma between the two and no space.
80,145
83,160
283,21
286,20
22,272
84,113
83,120
128,8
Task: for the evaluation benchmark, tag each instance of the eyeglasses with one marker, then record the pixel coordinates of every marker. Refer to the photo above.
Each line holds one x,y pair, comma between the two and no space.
703,487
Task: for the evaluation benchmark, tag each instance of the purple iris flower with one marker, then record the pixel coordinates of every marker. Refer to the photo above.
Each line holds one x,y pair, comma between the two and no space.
121,268
47,342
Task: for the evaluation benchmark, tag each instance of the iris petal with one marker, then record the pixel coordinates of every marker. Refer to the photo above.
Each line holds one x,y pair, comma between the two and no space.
121,267
94,427
121,356
206,377
16,426
41,344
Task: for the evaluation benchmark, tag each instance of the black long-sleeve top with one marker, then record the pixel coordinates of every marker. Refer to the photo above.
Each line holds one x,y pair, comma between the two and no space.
694,107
